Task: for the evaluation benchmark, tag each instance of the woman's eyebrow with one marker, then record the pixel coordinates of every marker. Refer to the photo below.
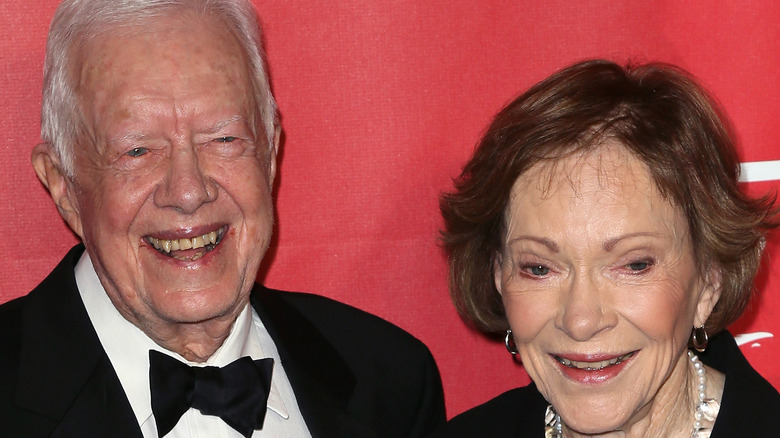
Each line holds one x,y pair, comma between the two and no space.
609,244
552,246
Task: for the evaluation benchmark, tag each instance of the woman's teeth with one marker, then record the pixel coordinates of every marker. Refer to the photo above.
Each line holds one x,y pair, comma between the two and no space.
593,366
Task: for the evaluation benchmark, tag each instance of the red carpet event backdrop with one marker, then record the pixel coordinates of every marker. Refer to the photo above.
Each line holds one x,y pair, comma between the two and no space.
382,102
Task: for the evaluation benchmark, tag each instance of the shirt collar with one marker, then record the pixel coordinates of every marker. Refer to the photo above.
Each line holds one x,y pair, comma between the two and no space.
128,347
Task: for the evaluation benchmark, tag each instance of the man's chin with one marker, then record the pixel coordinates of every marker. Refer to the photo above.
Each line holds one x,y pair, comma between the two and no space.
196,307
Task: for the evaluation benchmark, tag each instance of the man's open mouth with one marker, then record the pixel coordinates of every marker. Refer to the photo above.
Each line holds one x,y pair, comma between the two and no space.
188,249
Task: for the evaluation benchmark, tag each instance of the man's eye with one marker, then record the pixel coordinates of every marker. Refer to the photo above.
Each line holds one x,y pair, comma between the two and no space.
537,270
137,152
227,139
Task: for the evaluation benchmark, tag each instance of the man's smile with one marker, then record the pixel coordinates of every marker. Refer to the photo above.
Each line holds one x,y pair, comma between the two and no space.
188,249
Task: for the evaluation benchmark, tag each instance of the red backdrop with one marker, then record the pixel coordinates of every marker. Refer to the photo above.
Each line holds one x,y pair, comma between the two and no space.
381,105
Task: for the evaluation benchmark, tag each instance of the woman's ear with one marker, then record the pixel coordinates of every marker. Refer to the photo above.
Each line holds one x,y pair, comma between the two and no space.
709,296
49,170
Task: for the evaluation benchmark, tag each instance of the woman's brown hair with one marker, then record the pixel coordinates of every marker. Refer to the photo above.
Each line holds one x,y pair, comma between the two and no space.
658,113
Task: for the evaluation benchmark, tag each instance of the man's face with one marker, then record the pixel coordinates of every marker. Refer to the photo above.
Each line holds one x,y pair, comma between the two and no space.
172,184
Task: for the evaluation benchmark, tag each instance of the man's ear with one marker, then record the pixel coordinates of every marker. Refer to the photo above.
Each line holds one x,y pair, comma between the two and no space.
273,152
709,296
49,170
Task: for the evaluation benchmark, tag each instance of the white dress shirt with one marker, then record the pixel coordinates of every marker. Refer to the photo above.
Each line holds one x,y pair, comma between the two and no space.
128,350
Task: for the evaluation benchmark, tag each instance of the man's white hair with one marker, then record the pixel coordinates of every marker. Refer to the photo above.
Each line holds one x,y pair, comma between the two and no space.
79,21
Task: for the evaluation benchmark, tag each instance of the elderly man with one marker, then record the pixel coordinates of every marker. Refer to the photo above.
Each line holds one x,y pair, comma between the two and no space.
160,142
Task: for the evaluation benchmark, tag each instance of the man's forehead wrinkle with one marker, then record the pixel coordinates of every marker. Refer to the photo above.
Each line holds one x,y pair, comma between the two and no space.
215,126
106,93
99,83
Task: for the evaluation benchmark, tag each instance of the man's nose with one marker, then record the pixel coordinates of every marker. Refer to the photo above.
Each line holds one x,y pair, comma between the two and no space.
586,308
185,186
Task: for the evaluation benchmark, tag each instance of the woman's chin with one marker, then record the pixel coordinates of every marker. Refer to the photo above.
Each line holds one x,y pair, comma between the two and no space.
582,418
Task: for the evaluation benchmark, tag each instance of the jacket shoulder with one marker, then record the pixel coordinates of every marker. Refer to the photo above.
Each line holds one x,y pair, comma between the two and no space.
11,317
339,319
44,300
10,342
378,366
750,404
361,338
516,413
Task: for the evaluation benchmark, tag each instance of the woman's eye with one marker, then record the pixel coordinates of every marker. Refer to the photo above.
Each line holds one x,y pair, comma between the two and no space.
227,139
537,270
638,266
137,152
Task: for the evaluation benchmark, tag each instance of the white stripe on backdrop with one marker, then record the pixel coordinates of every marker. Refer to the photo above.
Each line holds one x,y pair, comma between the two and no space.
760,171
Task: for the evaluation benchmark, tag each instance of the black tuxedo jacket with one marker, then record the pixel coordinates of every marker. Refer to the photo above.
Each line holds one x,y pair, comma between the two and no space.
353,374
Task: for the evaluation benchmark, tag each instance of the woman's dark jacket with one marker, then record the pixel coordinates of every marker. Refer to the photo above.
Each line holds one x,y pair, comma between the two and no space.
750,406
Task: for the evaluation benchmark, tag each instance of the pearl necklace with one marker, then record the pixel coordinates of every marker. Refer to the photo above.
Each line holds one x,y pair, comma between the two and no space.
706,408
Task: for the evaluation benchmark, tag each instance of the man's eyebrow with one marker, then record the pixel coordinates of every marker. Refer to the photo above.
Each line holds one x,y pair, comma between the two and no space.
226,122
135,135
127,136
552,246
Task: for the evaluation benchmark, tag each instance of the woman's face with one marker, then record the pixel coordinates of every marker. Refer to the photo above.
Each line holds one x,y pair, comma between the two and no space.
600,286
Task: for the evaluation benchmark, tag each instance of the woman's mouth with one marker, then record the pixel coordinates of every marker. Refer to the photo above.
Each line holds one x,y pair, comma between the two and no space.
593,365
188,249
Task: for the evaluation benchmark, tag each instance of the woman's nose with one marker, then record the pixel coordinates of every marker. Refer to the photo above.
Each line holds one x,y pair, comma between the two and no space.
586,308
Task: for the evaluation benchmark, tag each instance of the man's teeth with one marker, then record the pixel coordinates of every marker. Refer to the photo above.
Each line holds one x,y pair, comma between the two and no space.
593,366
168,245
207,241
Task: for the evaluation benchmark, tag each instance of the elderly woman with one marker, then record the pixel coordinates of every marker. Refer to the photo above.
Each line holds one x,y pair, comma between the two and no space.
600,226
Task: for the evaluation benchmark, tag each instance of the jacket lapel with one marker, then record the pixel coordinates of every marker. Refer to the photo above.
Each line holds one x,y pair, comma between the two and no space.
64,374
321,379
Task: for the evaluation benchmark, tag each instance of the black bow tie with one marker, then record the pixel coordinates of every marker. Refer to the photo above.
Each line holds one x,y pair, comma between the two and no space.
237,393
